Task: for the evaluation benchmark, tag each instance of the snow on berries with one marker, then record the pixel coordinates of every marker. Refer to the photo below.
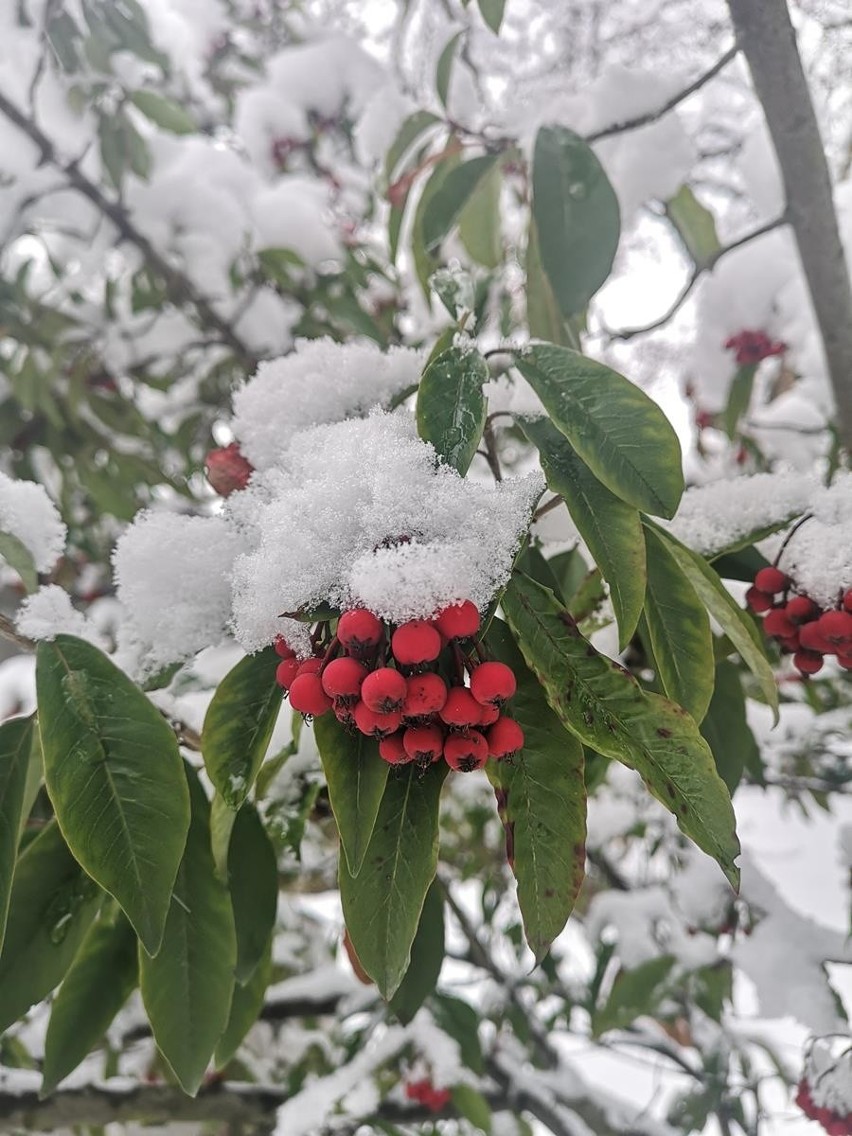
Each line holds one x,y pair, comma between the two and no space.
824,1092
422,697
800,625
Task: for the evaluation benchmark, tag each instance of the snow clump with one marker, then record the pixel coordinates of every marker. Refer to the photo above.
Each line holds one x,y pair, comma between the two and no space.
27,513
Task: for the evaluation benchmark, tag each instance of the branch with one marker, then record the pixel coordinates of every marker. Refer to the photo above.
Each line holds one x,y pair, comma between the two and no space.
179,287
675,100
697,272
765,34
8,631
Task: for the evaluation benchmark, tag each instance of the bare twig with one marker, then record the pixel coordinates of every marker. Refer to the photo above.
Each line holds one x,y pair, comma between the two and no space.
547,507
670,104
697,272
8,631
766,36
491,457
179,287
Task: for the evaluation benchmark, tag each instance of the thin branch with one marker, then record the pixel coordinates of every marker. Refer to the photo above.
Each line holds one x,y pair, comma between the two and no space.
698,271
8,631
491,451
767,38
179,287
547,507
675,100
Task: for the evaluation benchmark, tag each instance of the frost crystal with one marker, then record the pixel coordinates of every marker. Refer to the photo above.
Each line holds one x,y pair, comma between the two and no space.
26,512
173,579
359,513
321,381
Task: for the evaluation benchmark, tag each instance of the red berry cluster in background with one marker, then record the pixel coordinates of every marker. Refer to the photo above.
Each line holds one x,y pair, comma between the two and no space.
750,347
227,470
832,1122
425,1093
803,628
406,688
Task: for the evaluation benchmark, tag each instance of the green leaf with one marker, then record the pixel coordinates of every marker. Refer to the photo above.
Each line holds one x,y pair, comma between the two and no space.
425,262
611,528
695,226
239,723
737,624
492,12
246,1004
606,708
739,397
53,902
472,1105
163,112
95,988
412,128
480,228
16,743
451,407
543,315
635,992
679,629
18,556
621,434
115,778
253,884
356,778
726,729
541,798
187,987
445,206
577,216
444,70
460,1021
382,905
427,958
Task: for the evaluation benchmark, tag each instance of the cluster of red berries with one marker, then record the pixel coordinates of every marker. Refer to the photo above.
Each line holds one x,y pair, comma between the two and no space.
390,687
832,1122
752,346
425,1093
227,470
802,627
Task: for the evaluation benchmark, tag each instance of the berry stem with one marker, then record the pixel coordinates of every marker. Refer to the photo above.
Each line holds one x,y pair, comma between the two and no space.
789,537
331,650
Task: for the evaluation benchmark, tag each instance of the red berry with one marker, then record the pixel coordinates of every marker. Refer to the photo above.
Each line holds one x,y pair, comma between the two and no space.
811,638
359,631
227,469
801,609
282,649
492,684
286,671
307,695
836,627
310,666
423,744
384,690
808,662
790,643
461,708
845,661
376,725
778,625
459,621
504,737
488,715
759,601
771,581
847,600
342,678
437,1099
393,751
466,752
415,642
425,694
343,712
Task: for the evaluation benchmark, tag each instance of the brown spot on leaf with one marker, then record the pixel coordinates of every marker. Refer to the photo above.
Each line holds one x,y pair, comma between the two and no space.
663,732
670,789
